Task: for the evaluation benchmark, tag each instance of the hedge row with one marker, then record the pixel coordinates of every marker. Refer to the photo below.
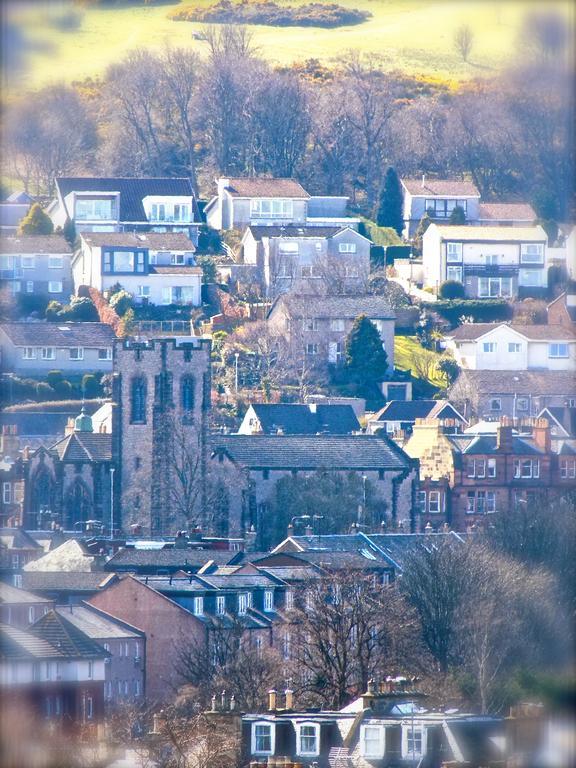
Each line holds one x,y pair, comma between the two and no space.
271,14
480,310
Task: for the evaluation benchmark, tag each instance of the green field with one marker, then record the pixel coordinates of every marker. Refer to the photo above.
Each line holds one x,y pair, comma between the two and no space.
410,35
410,355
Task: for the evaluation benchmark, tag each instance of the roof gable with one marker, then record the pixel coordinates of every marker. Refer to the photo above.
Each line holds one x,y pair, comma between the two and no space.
266,187
424,187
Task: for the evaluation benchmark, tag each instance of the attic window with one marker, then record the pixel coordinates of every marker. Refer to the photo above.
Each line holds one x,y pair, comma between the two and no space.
308,739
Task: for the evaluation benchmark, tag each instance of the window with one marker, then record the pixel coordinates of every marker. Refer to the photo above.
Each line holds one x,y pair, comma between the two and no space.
522,403
29,286
198,608
177,294
90,670
286,247
123,261
495,404
271,209
557,350
105,354
413,741
136,687
308,270
372,741
48,353
263,739
351,271
490,502
567,468
477,468
434,501
286,642
187,393
7,493
308,739
489,346
442,208
337,325
491,467
422,501
89,708
243,602
29,353
514,347
526,468
31,615
481,502
453,252
177,259
138,415
532,253
220,605
55,286
311,349
93,209
144,291
346,247
268,600
29,262
454,273
55,262
289,599
493,287
491,259
76,353
470,502
311,324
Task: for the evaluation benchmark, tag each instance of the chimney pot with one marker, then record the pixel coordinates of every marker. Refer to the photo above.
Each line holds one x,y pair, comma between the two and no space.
423,180
289,694
272,699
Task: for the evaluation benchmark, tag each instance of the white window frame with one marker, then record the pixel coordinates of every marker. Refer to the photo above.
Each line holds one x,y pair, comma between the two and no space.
522,403
378,751
288,248
29,353
289,599
6,493
220,605
489,347
567,468
254,743
308,272
107,355
494,400
268,600
410,730
558,350
311,324
490,502
28,262
346,247
454,273
177,259
491,468
48,353
271,208
243,603
144,291
76,353
55,286
514,347
338,324
308,752
55,262
434,502
532,253
198,606
453,253
29,286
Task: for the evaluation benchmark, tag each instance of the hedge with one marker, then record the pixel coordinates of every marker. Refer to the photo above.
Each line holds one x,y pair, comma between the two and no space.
480,310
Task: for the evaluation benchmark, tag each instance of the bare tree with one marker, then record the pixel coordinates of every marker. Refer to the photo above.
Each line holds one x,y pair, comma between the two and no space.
463,40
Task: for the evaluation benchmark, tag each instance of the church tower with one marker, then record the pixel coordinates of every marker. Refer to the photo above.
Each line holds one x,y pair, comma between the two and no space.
161,391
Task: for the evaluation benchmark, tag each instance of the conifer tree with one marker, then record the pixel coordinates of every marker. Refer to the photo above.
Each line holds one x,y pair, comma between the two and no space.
69,231
36,222
391,203
425,222
366,359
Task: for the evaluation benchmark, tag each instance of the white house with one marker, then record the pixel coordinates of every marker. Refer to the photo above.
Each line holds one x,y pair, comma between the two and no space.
37,264
439,197
156,268
489,261
503,347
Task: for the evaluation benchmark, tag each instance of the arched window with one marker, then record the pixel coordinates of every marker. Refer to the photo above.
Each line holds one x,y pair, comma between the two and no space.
187,393
138,401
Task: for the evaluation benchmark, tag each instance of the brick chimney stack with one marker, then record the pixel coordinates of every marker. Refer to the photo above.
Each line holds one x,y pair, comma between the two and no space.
541,434
504,436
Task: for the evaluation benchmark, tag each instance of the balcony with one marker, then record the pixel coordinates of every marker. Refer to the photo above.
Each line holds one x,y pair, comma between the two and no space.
491,270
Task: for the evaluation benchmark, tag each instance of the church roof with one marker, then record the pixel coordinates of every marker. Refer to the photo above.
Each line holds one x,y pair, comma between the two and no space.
84,446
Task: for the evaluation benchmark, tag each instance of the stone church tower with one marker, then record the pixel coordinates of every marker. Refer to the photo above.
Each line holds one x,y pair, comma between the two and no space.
161,392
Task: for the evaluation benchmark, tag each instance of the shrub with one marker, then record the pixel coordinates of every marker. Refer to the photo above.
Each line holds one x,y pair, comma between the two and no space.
449,368
44,391
53,311
36,222
28,303
479,310
82,309
208,267
452,289
126,324
458,215
53,378
121,302
90,386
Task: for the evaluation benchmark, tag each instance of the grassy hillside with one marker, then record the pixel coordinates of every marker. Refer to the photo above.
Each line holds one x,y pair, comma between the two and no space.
413,35
410,355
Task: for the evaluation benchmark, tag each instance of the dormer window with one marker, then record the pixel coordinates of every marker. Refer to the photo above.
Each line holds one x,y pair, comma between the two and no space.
372,741
268,600
244,602
413,741
263,738
93,209
308,739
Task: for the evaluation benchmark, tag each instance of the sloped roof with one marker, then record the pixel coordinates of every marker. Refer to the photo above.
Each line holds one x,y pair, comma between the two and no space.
13,596
132,191
66,581
34,244
473,331
72,555
23,644
37,423
534,383
506,211
169,269
486,444
97,624
153,241
66,637
59,334
441,187
406,410
348,307
301,419
493,234
84,446
344,452
566,417
292,231
400,546
184,559
18,538
266,187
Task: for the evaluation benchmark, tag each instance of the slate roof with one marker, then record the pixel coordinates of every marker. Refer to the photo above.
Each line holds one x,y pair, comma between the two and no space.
154,241
66,637
440,188
59,334
486,444
10,595
18,538
65,581
184,559
344,452
473,331
84,446
97,624
292,231
399,546
346,306
20,644
534,383
493,234
34,244
566,417
300,419
410,410
132,191
506,211
364,559
262,187
11,214
339,542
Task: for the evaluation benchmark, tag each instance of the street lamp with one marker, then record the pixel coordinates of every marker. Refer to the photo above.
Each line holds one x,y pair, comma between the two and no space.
236,356
112,470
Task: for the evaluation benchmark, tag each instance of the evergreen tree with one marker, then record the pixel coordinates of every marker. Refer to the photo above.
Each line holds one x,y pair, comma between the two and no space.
36,222
458,215
425,222
69,231
391,203
366,359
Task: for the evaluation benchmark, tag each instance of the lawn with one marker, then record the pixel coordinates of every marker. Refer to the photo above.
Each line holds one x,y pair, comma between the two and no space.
410,35
409,354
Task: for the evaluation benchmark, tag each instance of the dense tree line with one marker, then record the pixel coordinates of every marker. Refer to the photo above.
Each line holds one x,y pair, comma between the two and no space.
338,130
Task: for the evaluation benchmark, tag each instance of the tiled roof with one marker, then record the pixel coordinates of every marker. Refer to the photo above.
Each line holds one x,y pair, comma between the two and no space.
566,417
23,644
486,444
11,214
97,624
154,241
175,270
71,555
34,244
346,307
363,559
13,596
132,191
534,383
345,452
266,188
405,410
65,581
292,231
493,234
506,211
18,538
59,334
66,637
84,446
441,187
184,559
473,331
300,419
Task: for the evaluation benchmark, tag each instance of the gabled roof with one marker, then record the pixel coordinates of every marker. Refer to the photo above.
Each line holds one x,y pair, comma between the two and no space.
34,244
300,452
97,624
506,212
181,559
564,418
485,234
18,538
132,191
71,555
84,446
59,334
487,444
66,637
304,419
535,383
13,596
440,188
473,331
347,307
153,241
66,581
22,644
315,233
410,410
266,187
399,546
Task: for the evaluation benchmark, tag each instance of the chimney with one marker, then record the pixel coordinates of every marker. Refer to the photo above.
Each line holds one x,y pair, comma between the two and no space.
504,437
222,184
272,699
541,434
423,180
289,694
250,540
